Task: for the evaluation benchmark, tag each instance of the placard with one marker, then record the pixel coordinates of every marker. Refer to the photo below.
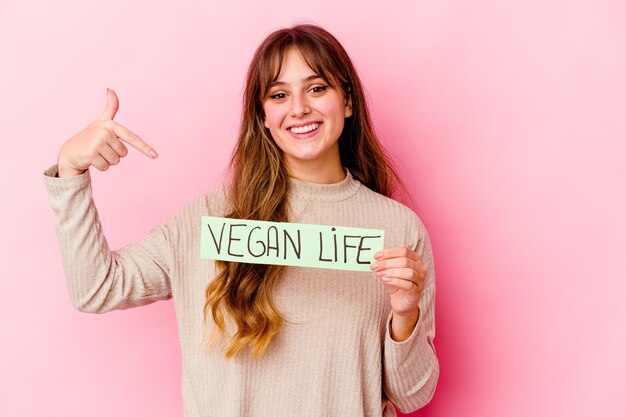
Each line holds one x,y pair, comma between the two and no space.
283,243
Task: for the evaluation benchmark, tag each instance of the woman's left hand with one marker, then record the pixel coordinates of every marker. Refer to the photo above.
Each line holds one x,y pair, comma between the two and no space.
403,273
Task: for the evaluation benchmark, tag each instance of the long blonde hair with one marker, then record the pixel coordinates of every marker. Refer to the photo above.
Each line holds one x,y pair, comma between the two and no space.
259,182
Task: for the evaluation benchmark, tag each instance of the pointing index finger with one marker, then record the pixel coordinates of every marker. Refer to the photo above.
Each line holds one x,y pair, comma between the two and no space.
134,140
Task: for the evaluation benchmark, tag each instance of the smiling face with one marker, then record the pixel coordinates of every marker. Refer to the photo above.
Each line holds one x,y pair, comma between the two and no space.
305,117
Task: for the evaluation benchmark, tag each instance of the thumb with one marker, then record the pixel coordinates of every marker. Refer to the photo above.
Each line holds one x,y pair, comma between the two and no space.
112,105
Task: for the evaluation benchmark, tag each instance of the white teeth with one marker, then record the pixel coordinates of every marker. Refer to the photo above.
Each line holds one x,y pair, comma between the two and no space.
305,129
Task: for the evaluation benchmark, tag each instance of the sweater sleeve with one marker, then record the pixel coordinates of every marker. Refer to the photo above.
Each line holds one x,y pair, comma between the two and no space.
98,279
410,367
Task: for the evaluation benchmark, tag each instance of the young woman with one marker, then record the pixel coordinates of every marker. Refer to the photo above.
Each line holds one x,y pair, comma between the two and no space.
293,341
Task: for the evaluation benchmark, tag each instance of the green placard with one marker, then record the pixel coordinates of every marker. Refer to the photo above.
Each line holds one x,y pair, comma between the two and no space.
282,243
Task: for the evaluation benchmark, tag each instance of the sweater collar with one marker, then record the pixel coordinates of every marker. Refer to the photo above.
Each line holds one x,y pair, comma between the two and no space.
338,191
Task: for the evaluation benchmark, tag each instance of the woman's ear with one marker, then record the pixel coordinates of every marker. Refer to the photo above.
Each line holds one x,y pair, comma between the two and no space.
265,123
348,107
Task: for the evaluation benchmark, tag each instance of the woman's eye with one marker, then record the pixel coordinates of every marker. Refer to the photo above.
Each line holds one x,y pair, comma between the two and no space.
319,88
316,89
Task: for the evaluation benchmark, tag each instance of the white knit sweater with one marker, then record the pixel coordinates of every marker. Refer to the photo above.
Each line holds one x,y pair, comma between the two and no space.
333,356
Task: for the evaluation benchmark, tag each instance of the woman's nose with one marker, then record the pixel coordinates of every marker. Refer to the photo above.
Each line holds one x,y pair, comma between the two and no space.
299,105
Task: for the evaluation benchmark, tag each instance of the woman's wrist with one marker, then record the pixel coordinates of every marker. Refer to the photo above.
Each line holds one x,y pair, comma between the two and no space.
402,326
67,172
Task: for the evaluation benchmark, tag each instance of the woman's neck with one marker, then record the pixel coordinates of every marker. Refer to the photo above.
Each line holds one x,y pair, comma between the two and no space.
318,174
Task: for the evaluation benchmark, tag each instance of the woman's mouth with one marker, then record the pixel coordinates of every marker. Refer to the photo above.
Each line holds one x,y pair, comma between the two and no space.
305,132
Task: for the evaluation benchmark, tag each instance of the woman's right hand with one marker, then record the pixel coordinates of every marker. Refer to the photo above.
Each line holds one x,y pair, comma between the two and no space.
100,143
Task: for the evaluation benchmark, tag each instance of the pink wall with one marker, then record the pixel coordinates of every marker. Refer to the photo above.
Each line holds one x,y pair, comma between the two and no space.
507,119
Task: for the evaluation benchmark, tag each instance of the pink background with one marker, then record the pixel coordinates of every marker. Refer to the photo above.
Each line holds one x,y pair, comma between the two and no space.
507,120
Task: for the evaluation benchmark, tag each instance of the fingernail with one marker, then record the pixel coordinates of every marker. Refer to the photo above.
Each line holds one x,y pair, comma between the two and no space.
154,154
374,266
378,255
381,273
386,279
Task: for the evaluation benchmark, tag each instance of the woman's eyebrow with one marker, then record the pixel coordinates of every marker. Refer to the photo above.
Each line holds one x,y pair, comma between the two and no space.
304,80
